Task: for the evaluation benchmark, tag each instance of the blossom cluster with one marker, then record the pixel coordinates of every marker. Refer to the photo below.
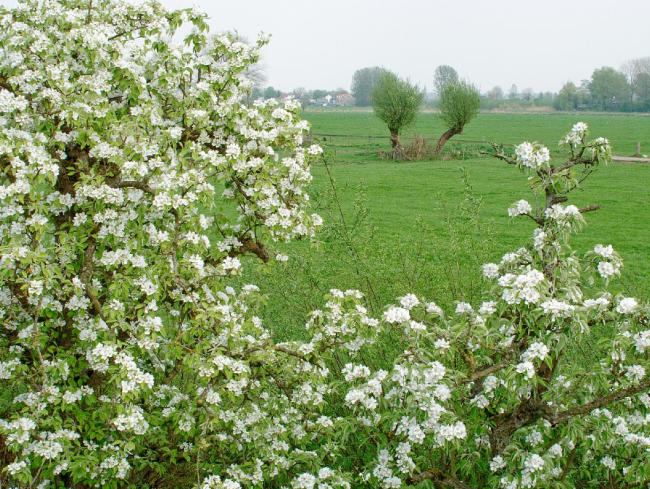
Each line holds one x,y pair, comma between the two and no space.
532,155
609,262
135,179
577,135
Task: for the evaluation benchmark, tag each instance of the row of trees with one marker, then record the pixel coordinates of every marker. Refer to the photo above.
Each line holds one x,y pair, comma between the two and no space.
607,89
610,89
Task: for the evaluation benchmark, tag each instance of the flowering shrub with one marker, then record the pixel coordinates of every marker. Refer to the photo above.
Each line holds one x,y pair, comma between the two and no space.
133,182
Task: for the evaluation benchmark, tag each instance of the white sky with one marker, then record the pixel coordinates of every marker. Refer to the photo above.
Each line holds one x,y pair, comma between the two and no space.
539,44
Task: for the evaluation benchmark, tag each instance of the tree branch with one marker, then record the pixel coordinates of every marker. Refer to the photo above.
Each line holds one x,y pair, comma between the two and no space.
438,479
499,154
490,370
140,185
565,416
589,208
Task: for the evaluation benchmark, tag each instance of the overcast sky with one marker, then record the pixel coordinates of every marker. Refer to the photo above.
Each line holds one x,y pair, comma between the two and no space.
539,44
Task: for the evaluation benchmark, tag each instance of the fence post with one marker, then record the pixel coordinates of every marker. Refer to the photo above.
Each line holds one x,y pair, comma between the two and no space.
638,149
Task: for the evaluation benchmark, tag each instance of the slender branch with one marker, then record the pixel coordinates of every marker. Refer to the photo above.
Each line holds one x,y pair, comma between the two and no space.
538,220
589,208
490,370
140,185
568,464
501,155
289,352
565,416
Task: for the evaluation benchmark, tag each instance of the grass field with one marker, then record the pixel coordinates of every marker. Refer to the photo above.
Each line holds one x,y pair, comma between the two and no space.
394,237
623,131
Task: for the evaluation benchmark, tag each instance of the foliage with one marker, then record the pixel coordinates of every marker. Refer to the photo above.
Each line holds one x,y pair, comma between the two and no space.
568,98
319,94
122,344
608,88
270,92
134,180
363,81
397,103
459,104
443,76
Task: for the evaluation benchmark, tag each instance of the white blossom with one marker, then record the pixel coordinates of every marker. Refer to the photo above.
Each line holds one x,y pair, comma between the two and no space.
627,305
519,208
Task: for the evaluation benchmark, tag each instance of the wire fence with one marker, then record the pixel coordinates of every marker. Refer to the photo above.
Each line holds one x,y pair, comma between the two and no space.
369,138
352,143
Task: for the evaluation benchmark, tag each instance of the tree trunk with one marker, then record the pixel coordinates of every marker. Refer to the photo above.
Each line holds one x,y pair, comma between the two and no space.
398,150
445,137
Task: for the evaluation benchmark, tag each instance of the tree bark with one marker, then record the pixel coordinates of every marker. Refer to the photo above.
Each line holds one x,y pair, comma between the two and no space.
398,150
445,137
438,479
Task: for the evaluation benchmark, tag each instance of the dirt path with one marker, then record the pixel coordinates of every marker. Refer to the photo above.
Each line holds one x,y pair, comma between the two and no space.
630,159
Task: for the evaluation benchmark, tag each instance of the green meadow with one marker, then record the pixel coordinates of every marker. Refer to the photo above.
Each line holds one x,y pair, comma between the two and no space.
623,131
427,226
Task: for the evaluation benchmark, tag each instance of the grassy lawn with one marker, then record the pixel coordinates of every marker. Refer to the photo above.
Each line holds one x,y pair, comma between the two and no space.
399,193
394,237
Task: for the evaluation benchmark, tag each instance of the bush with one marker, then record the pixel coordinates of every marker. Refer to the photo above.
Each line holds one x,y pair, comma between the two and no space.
418,148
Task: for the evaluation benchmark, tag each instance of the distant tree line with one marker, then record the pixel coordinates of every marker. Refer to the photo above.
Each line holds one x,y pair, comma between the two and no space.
627,90
608,89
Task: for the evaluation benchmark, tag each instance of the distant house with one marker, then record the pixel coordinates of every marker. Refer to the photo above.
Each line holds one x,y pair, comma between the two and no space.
345,100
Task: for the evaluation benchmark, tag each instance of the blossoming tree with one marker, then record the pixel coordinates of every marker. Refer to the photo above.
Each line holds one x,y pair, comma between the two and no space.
132,182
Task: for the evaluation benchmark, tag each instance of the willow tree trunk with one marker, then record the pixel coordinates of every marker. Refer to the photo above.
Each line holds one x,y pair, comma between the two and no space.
445,137
398,150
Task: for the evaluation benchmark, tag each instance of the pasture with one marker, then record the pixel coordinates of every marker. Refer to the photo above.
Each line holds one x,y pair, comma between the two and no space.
398,227
623,131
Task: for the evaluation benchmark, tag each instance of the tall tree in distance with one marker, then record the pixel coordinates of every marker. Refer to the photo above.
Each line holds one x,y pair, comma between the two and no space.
527,93
642,80
363,82
608,86
513,93
495,93
396,102
459,104
567,97
631,69
444,75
